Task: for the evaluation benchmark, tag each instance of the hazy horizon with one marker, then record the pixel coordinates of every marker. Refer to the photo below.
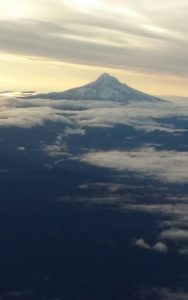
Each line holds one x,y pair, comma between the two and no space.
21,92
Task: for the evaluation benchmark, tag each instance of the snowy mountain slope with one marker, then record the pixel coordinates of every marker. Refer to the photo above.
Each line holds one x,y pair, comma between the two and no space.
106,87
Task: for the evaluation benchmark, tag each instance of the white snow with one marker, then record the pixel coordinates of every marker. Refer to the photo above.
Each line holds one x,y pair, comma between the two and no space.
107,88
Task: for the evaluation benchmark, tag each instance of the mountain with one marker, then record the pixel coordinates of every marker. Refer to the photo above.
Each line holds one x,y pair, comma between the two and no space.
106,87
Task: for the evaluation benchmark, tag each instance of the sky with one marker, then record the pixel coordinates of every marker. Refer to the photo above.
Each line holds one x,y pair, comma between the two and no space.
58,44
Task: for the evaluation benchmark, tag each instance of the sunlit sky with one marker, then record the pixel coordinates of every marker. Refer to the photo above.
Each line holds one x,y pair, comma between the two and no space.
58,44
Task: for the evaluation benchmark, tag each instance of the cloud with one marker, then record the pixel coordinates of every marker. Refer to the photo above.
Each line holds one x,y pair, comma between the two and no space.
141,117
158,247
174,234
142,244
183,251
81,114
163,294
74,131
166,294
4,171
22,114
19,294
170,166
21,148
95,37
55,150
172,221
174,296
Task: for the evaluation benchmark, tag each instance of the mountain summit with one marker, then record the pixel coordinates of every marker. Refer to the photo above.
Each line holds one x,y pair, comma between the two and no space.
106,79
106,87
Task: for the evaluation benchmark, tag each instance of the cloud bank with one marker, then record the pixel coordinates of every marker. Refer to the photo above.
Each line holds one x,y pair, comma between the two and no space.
83,114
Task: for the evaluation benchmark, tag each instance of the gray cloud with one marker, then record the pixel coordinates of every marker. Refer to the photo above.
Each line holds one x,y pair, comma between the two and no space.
55,150
173,223
142,244
158,247
166,294
4,171
97,38
174,234
74,131
21,148
163,294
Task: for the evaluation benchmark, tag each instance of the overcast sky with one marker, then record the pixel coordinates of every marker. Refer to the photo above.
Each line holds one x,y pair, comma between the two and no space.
57,44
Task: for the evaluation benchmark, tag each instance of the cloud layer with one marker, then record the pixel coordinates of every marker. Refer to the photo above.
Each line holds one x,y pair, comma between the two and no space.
28,112
71,31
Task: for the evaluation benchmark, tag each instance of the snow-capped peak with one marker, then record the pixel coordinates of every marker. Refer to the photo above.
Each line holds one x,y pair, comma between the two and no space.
105,77
104,81
106,87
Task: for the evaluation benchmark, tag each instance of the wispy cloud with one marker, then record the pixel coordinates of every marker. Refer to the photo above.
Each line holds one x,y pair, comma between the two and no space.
70,31
163,294
163,165
174,234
